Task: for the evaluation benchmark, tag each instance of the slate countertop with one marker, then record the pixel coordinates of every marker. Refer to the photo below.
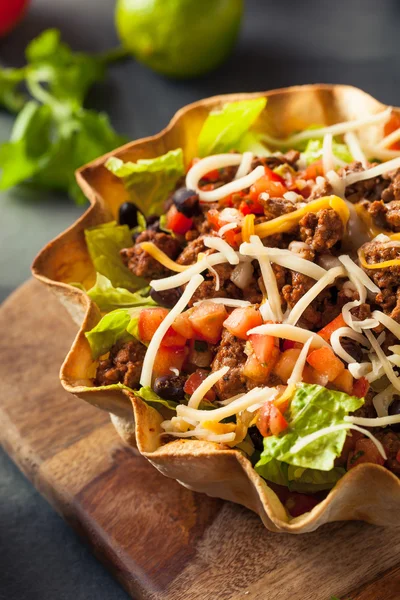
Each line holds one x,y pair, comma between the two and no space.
281,43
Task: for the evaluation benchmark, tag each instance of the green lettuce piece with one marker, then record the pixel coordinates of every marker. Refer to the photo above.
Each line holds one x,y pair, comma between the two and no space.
109,330
313,408
298,479
104,243
147,394
224,129
313,151
251,142
108,297
149,180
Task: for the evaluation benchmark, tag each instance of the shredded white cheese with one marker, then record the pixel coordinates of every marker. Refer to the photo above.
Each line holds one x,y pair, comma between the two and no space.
374,422
297,373
354,146
217,244
380,169
391,375
268,278
355,271
388,322
150,356
181,278
205,386
222,230
290,332
313,292
245,165
338,349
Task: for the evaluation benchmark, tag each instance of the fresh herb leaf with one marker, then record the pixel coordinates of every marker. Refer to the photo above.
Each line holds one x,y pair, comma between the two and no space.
53,134
104,244
313,408
224,129
108,297
149,180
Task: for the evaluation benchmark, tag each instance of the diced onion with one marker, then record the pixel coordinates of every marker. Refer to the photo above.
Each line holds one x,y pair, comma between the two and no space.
150,356
359,370
205,386
242,275
217,244
313,292
231,215
291,196
290,332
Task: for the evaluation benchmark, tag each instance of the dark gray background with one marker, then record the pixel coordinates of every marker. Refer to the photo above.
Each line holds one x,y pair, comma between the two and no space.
282,43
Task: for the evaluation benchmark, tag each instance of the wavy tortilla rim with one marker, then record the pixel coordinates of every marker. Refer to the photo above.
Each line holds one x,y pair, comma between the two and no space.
367,492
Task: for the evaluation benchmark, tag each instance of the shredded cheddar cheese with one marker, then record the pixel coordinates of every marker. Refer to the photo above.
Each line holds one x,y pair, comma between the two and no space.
248,227
285,222
395,262
219,428
162,258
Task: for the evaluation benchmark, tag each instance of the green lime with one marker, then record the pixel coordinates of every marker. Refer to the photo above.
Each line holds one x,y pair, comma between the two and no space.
179,38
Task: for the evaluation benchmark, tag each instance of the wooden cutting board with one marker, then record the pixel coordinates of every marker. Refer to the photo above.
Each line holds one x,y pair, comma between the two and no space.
160,540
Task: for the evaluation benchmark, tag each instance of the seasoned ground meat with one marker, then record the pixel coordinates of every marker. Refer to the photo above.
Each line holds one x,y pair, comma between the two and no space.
391,443
275,207
320,190
123,365
370,189
227,289
385,216
376,252
367,410
389,301
141,263
230,354
290,158
321,231
392,192
189,254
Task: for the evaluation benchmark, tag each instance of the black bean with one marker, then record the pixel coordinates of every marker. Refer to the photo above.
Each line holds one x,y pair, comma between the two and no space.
170,387
256,438
186,201
127,214
153,223
166,298
353,348
394,409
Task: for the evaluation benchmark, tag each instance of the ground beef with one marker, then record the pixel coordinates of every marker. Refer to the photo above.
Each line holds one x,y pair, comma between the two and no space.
391,443
392,192
320,190
293,292
207,289
230,354
376,252
322,230
290,158
367,410
123,365
370,189
275,207
385,216
389,300
141,263
189,254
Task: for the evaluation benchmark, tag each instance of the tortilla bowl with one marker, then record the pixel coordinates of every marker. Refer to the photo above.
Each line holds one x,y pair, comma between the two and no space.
368,492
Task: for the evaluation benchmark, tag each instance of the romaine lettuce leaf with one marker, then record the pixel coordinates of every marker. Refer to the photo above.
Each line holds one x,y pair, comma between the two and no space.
298,479
147,394
224,129
104,243
149,180
251,142
109,330
313,407
313,151
108,297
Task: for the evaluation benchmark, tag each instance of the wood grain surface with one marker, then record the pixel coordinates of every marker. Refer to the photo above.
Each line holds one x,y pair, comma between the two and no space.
160,540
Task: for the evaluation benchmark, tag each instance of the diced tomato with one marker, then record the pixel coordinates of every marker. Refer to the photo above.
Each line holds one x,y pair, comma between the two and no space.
193,382
288,344
284,366
324,361
365,451
314,170
251,206
344,382
349,444
241,320
212,176
275,189
310,375
149,321
213,218
263,346
231,237
360,387
257,371
167,359
391,125
272,176
327,331
173,338
207,320
183,325
177,221
270,420
298,504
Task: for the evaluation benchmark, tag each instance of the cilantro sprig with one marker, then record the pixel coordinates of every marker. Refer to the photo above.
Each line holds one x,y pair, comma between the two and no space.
53,133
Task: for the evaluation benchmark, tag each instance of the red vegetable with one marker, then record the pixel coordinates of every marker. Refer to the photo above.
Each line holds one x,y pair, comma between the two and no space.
263,346
207,319
270,420
314,170
327,331
241,320
364,452
360,387
193,382
167,359
177,221
298,504
11,12
149,321
271,183
325,362
390,126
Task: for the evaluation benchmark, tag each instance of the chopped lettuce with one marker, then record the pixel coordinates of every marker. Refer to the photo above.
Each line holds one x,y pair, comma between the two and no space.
313,408
109,330
298,479
149,180
108,297
251,142
313,151
224,129
104,243
147,394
